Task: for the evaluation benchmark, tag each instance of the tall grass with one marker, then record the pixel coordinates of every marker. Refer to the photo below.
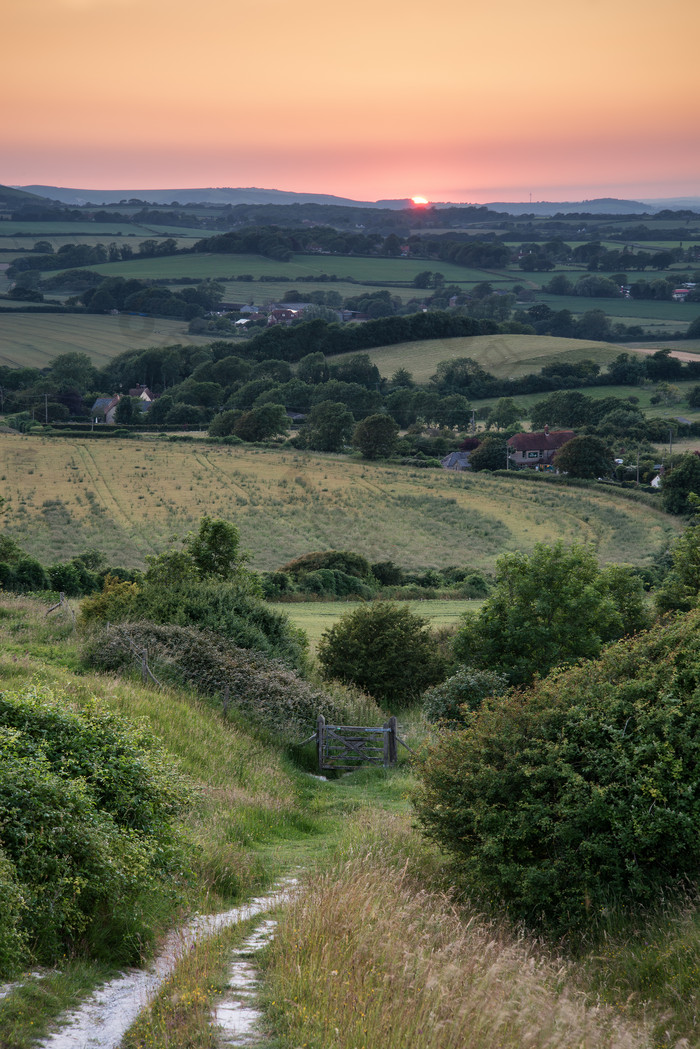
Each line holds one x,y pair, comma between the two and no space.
367,957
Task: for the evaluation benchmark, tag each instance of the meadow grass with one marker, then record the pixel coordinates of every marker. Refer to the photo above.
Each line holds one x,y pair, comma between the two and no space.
371,955
128,498
34,339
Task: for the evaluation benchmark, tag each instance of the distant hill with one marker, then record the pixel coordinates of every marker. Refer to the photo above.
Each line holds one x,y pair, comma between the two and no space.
253,195
12,197
220,196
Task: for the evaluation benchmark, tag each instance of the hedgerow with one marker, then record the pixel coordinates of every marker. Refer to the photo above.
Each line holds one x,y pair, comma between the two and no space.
265,691
581,795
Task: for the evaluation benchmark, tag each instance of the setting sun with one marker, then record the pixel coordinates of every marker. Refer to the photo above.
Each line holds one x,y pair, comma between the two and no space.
420,202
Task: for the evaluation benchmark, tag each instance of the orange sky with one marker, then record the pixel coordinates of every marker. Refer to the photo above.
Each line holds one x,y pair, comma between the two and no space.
466,100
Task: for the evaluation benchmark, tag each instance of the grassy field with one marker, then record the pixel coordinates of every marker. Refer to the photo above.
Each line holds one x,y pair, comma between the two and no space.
505,356
315,617
34,339
128,498
220,265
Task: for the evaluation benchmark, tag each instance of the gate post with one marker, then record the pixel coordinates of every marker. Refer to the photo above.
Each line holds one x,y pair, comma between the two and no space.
390,742
320,740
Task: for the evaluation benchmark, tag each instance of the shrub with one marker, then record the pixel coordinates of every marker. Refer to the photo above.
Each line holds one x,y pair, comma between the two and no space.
13,936
582,795
87,803
342,560
265,691
384,649
463,692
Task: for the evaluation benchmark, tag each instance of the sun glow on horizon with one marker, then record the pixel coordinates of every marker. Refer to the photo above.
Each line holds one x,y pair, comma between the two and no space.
420,202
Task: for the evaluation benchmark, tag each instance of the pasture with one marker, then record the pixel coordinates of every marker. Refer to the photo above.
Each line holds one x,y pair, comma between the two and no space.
220,266
34,339
315,617
128,498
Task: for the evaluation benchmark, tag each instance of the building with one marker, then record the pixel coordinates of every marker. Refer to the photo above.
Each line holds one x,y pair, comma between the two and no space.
536,450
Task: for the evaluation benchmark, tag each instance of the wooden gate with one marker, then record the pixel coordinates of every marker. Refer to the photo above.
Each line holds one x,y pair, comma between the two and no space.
352,746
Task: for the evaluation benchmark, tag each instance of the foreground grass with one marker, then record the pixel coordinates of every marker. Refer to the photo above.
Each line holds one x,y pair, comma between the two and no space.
180,1015
368,956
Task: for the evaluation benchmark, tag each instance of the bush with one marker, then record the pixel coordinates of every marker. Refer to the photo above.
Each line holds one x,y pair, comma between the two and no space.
581,796
265,691
203,584
384,649
87,804
463,692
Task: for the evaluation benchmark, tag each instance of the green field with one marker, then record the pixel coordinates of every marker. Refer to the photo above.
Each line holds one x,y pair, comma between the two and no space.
127,498
505,356
315,617
381,270
34,339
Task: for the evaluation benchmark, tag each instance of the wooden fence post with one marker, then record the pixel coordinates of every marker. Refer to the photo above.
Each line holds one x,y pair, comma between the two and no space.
226,700
320,741
392,740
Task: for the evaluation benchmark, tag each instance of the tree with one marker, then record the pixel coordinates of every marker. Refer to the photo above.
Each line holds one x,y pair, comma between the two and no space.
584,457
548,608
128,411
681,478
375,436
490,455
262,423
329,427
504,414
384,649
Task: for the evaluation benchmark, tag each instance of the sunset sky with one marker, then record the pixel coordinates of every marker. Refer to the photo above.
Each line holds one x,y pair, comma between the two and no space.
466,100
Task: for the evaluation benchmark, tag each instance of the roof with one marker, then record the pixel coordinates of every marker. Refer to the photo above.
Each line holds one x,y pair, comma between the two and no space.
535,442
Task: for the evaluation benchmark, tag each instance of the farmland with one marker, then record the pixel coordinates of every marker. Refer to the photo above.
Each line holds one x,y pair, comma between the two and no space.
129,498
503,355
34,339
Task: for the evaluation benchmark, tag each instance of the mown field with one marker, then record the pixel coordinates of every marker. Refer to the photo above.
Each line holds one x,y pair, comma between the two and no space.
34,339
128,498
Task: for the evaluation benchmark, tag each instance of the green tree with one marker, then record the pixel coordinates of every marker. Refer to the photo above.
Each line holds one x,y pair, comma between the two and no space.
490,455
128,411
584,457
505,414
375,436
328,428
262,423
681,478
547,608
384,649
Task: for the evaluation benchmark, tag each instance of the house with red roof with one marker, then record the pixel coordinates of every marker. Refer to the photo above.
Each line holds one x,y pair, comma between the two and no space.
536,450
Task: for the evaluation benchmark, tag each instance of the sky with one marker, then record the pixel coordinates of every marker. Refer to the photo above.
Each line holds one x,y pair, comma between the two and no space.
463,101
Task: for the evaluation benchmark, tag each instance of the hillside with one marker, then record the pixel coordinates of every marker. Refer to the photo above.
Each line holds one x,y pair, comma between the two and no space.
126,498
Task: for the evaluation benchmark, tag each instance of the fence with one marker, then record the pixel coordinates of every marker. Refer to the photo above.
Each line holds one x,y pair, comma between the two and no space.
348,747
